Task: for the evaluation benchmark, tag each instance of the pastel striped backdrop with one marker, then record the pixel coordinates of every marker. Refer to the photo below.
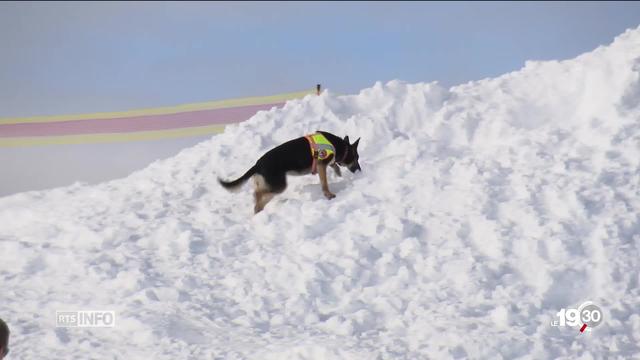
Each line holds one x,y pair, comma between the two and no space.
147,124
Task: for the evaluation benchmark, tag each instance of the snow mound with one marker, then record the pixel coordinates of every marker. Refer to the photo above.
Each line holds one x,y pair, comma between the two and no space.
481,211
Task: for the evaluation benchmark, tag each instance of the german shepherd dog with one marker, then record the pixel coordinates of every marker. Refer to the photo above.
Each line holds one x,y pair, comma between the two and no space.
296,157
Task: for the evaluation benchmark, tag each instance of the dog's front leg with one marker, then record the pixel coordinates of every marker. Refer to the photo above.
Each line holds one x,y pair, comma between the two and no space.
322,172
336,168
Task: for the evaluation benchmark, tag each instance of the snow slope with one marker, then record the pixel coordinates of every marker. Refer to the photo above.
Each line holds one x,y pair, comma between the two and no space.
481,211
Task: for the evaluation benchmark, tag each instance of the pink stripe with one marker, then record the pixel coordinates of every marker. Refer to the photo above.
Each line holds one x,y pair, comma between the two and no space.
137,123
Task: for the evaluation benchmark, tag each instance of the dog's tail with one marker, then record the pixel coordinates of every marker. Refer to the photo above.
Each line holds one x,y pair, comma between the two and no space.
235,184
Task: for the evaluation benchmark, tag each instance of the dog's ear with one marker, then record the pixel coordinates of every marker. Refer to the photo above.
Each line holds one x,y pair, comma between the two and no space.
346,139
355,144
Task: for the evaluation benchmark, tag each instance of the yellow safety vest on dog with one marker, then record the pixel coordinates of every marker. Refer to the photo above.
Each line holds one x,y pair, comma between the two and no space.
321,149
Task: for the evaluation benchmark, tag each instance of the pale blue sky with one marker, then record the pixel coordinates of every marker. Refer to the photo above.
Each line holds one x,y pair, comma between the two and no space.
76,57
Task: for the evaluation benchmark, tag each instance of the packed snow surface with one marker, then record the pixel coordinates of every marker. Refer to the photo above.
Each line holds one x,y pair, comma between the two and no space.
482,210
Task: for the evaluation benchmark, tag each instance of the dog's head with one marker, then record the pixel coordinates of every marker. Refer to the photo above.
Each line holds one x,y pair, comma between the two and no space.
351,158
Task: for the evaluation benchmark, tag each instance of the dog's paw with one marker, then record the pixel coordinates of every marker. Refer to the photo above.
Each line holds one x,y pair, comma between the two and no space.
329,195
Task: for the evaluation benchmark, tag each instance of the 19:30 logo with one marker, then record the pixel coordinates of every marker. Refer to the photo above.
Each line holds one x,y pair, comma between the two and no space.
587,316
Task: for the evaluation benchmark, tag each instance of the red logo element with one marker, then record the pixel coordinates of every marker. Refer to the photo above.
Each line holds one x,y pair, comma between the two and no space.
584,326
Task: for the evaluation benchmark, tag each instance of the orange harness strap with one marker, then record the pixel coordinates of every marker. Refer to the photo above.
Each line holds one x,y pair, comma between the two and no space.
314,154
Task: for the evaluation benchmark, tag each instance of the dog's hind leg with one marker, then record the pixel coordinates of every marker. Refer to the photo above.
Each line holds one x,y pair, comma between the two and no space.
260,194
262,198
267,189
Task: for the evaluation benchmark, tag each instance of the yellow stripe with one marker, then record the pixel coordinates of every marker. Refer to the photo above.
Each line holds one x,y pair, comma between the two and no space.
210,105
111,137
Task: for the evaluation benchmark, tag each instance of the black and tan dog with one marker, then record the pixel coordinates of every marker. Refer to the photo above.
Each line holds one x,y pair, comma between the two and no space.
308,154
